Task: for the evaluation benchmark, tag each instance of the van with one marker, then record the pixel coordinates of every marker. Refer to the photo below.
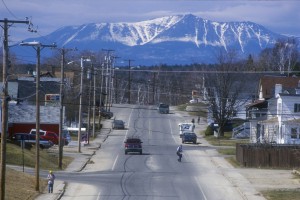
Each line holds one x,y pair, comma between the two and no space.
163,108
185,127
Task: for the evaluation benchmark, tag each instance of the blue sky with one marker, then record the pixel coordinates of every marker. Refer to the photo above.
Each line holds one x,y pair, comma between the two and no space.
280,16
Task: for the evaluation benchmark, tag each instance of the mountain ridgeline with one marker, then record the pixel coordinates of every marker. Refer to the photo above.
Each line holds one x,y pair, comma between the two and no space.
179,39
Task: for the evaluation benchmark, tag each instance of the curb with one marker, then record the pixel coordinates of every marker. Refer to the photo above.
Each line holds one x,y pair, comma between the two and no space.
62,191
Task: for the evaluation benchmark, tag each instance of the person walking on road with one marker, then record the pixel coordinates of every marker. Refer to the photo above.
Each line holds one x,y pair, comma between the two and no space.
179,152
198,119
51,178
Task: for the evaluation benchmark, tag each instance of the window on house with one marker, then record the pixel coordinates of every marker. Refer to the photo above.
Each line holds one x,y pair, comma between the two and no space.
296,107
294,133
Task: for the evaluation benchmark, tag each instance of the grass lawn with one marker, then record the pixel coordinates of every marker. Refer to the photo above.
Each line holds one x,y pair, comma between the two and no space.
20,185
225,140
228,148
282,194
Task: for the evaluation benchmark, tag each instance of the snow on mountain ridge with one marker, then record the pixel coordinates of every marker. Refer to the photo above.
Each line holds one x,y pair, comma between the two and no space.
141,33
200,31
172,39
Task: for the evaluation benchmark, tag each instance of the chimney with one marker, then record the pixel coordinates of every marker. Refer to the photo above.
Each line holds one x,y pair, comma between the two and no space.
278,89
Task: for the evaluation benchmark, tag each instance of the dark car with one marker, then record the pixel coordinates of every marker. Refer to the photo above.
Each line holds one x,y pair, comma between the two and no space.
106,114
163,108
189,137
133,144
29,139
118,124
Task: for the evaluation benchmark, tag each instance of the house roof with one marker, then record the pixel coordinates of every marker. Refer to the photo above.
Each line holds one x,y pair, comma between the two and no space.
267,84
258,103
27,88
12,88
18,113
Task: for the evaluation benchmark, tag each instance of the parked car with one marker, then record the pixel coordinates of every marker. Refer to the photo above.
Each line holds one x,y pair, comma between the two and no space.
48,135
67,136
30,139
106,114
133,144
189,137
118,124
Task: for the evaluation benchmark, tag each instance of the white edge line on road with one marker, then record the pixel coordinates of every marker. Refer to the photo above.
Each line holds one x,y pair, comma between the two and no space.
98,197
128,123
201,189
172,130
113,167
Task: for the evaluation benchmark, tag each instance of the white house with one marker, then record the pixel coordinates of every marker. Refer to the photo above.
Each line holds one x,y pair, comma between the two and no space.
283,117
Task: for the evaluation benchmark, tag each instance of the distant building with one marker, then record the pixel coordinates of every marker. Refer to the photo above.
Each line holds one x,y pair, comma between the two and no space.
22,118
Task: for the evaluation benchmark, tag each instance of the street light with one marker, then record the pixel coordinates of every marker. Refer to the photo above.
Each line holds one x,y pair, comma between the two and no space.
80,102
38,47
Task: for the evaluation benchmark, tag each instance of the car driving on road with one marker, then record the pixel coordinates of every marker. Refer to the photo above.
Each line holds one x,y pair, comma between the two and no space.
133,144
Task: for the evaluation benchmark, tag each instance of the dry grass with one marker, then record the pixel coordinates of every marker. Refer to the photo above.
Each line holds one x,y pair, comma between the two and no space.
290,194
20,185
225,140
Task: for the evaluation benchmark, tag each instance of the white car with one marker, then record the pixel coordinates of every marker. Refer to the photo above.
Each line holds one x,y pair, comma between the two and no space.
185,127
194,101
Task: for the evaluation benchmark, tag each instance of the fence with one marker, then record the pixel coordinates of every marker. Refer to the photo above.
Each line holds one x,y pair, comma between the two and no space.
268,155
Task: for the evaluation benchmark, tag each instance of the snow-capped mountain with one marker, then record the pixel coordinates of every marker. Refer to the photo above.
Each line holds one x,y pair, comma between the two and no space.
179,39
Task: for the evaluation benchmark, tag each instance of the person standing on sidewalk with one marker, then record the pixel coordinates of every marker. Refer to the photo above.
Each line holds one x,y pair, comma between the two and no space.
51,178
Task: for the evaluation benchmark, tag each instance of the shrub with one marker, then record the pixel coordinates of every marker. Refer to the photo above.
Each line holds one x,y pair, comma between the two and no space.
209,131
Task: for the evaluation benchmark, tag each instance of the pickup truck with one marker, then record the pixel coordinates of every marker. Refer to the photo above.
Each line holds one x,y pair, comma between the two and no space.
28,140
48,135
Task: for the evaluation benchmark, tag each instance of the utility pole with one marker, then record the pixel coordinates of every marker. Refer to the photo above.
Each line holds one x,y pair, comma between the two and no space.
38,47
89,77
4,112
153,89
129,79
106,78
94,101
82,60
63,51
100,98
112,75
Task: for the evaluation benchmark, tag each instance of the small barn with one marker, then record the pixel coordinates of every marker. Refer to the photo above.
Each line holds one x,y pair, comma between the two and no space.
22,118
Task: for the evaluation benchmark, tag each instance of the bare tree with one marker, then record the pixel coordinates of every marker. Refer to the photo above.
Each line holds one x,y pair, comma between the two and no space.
282,57
225,86
286,53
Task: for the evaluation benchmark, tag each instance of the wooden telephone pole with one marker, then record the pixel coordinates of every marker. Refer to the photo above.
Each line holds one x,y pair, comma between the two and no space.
4,113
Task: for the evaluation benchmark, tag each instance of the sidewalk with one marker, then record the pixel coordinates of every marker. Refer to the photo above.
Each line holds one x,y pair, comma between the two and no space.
79,162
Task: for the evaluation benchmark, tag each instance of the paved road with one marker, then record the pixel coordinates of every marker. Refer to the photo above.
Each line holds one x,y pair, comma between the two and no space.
156,175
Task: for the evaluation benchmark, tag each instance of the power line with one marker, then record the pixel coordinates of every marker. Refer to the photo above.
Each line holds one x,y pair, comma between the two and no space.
9,10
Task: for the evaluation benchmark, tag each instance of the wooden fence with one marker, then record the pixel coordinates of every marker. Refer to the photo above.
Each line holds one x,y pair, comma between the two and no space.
268,156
